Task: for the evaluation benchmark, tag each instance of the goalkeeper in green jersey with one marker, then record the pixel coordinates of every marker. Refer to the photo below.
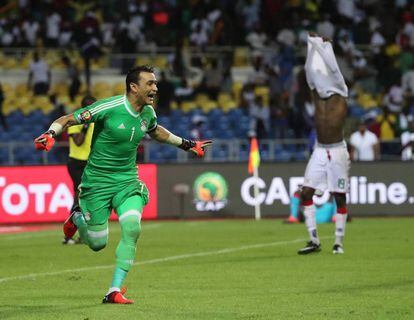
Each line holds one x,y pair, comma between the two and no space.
110,179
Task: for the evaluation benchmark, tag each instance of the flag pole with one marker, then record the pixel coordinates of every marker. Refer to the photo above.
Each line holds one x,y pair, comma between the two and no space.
257,213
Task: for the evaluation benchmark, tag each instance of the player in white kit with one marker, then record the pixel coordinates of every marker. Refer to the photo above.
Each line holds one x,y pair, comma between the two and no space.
328,167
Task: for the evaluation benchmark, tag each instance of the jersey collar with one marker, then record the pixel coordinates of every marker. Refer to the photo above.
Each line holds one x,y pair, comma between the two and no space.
129,108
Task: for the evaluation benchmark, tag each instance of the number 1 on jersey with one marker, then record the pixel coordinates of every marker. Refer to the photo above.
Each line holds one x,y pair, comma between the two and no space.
132,133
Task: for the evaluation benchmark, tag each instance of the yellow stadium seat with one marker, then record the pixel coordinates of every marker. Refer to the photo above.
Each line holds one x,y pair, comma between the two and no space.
261,90
101,90
241,57
173,105
237,87
53,58
7,87
26,60
208,105
223,96
264,93
229,105
78,101
367,101
161,61
8,90
9,106
201,98
187,106
141,60
60,88
9,63
39,101
64,99
119,88
21,89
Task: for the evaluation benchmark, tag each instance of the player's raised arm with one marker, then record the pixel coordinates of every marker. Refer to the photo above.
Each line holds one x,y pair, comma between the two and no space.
47,139
163,135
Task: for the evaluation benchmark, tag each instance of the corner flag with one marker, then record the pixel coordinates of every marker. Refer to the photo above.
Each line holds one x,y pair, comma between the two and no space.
254,156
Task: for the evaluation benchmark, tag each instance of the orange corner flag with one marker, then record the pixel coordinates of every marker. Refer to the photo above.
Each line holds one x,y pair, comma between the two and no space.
254,155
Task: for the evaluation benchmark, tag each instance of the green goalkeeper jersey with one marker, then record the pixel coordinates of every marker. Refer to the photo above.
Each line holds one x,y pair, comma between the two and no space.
118,131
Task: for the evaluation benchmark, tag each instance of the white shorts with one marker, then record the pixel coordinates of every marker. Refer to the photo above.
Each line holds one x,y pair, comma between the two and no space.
322,70
328,168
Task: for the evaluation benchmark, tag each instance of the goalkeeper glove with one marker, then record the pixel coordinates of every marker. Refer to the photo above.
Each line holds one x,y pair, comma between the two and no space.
198,147
45,141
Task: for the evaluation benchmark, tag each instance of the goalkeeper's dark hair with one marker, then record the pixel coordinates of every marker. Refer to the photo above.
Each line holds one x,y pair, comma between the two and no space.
133,74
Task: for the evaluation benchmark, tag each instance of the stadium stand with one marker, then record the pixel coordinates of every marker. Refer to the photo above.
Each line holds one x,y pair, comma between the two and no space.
254,56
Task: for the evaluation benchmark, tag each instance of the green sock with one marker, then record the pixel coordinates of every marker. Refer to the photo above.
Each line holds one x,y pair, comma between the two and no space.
80,222
118,278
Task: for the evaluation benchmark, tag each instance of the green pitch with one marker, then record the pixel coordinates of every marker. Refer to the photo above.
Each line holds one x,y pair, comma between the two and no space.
237,269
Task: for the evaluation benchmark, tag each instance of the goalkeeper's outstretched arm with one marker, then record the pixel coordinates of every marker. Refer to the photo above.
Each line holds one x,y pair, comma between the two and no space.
163,135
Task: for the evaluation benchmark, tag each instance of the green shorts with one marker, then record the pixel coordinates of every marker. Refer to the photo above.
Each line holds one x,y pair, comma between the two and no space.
97,202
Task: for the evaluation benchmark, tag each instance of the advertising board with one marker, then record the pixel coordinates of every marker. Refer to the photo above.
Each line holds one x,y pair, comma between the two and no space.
45,193
219,190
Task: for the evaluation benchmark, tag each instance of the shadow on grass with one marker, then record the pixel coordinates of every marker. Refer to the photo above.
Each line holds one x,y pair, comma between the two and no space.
41,311
358,288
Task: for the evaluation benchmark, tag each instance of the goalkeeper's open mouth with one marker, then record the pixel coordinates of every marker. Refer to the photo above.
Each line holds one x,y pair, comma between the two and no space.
151,97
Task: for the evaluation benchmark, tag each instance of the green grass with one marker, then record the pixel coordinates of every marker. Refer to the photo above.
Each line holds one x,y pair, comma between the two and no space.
210,270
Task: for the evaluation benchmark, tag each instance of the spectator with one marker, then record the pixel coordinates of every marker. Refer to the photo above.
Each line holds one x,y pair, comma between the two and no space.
65,35
259,119
73,76
8,36
184,92
90,46
197,130
286,37
377,41
407,143
212,80
247,95
250,12
364,145
52,28
39,76
199,37
167,88
394,98
325,28
387,123
2,116
30,29
259,75
257,39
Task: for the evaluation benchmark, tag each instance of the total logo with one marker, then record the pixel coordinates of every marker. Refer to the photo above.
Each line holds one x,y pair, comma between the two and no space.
210,192
34,194
40,198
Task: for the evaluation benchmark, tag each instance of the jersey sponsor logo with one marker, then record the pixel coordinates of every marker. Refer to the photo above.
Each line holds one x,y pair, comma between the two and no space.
86,115
210,192
144,125
121,126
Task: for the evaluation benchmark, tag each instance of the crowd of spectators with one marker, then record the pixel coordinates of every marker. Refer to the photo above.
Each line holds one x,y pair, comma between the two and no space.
373,41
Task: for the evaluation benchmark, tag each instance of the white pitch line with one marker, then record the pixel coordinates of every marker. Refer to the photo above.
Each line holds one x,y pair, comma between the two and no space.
49,233
159,260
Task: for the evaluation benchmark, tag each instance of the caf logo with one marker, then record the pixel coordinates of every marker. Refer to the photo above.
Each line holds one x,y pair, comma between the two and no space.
86,115
210,192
